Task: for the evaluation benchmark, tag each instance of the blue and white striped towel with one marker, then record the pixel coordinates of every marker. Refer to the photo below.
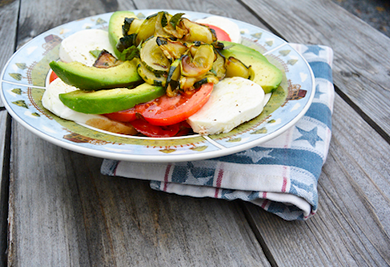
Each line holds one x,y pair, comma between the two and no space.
280,176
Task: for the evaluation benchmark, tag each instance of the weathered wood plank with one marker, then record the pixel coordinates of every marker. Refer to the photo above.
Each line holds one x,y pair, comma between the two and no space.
361,53
8,19
352,226
8,22
219,7
84,218
65,213
4,156
34,18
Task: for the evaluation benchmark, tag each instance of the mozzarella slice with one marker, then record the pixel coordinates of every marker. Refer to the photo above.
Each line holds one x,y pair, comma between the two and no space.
233,101
225,24
77,47
52,102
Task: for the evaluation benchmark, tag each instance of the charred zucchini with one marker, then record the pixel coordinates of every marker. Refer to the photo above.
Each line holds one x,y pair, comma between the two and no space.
172,49
219,65
131,25
198,32
153,57
106,60
236,68
199,61
146,29
150,77
173,78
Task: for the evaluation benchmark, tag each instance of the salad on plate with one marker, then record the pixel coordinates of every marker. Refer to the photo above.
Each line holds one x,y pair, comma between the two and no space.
160,76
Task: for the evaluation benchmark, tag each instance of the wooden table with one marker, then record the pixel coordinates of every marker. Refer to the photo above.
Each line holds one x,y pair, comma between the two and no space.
58,210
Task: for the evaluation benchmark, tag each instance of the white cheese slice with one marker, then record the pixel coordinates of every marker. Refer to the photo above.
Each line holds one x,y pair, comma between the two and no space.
232,102
224,24
77,47
52,102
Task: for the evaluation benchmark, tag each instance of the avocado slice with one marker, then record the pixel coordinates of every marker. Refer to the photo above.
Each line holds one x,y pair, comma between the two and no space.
92,78
236,47
267,75
113,100
115,27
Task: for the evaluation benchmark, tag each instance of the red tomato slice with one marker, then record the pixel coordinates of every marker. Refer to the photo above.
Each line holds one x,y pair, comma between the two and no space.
167,110
151,130
52,76
123,116
185,128
128,114
221,34
170,110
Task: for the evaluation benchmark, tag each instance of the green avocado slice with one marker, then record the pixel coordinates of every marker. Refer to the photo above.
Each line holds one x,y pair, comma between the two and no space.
267,75
231,47
113,100
92,78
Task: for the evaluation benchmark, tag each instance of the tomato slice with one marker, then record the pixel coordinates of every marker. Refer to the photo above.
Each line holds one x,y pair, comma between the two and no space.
170,110
221,34
151,130
123,116
128,114
167,110
52,76
185,128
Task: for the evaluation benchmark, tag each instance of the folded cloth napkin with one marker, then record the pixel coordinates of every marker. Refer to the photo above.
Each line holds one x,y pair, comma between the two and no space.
280,176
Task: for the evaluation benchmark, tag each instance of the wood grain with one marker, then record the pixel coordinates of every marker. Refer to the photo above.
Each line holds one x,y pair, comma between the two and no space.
8,25
34,18
8,19
4,182
219,7
64,212
361,53
351,227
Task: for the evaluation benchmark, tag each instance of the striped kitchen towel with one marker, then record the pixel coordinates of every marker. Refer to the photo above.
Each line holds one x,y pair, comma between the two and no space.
280,176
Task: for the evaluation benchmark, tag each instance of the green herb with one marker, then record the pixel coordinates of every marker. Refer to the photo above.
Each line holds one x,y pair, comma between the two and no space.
129,53
176,19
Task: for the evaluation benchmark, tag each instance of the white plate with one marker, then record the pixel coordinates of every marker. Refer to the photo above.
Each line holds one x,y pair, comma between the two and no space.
24,78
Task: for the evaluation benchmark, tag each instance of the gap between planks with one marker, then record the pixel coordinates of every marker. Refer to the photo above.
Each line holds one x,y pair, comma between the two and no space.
4,186
255,230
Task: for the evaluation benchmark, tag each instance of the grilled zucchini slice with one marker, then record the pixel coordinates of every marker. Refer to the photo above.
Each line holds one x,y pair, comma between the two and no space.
150,77
153,57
